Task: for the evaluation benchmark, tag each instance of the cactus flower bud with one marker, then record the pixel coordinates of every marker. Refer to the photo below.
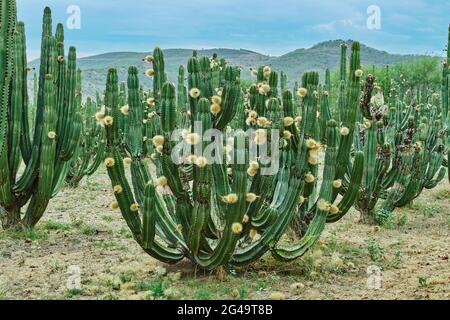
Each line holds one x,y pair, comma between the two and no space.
109,162
194,93
262,121
359,73
162,181
134,207
337,184
288,121
302,92
158,140
201,162
108,120
323,205
309,178
236,228
230,198
125,109
311,144
254,165
118,188
114,205
216,100
192,138
215,108
149,58
313,160
287,135
51,134
345,131
99,116
251,197
334,209
253,114
252,172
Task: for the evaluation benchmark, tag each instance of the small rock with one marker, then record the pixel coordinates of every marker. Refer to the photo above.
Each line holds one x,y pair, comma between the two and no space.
277,296
376,229
337,262
171,293
127,287
297,286
160,271
262,274
235,293
177,276
317,263
317,254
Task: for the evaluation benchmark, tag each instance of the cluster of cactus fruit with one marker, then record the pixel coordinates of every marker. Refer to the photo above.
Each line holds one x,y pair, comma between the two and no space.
35,159
282,159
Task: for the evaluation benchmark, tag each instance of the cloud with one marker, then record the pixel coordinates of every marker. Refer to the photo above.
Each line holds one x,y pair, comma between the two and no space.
272,26
335,26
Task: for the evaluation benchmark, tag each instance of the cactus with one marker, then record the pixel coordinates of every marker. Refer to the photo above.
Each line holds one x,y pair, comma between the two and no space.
90,152
445,98
220,213
56,128
404,152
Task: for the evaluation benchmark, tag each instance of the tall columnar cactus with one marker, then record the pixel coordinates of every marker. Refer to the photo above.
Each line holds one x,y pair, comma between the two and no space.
219,213
56,129
445,98
90,152
404,152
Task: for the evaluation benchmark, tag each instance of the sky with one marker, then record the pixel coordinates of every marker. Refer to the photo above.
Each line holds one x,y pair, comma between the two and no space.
270,27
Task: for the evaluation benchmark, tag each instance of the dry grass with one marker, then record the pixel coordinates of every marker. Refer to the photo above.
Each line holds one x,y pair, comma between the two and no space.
79,229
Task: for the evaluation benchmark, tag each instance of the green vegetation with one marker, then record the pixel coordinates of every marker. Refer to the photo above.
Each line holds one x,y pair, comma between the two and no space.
48,146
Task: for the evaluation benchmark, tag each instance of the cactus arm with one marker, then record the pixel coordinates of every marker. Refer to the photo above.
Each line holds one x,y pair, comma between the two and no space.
270,236
291,252
7,29
159,75
168,107
149,218
235,213
230,98
40,200
135,136
99,156
25,141
348,107
352,191
16,106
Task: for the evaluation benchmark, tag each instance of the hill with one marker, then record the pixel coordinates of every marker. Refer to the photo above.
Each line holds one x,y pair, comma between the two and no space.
319,57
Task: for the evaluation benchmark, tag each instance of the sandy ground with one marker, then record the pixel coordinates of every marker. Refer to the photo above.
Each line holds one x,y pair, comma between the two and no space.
79,234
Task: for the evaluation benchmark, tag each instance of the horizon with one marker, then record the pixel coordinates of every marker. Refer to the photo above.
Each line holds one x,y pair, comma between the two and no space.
239,49
267,28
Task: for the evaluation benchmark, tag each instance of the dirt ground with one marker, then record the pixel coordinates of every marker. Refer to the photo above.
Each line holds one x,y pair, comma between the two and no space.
79,234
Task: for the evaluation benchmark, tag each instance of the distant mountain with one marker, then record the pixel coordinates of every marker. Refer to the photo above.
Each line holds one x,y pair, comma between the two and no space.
319,57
